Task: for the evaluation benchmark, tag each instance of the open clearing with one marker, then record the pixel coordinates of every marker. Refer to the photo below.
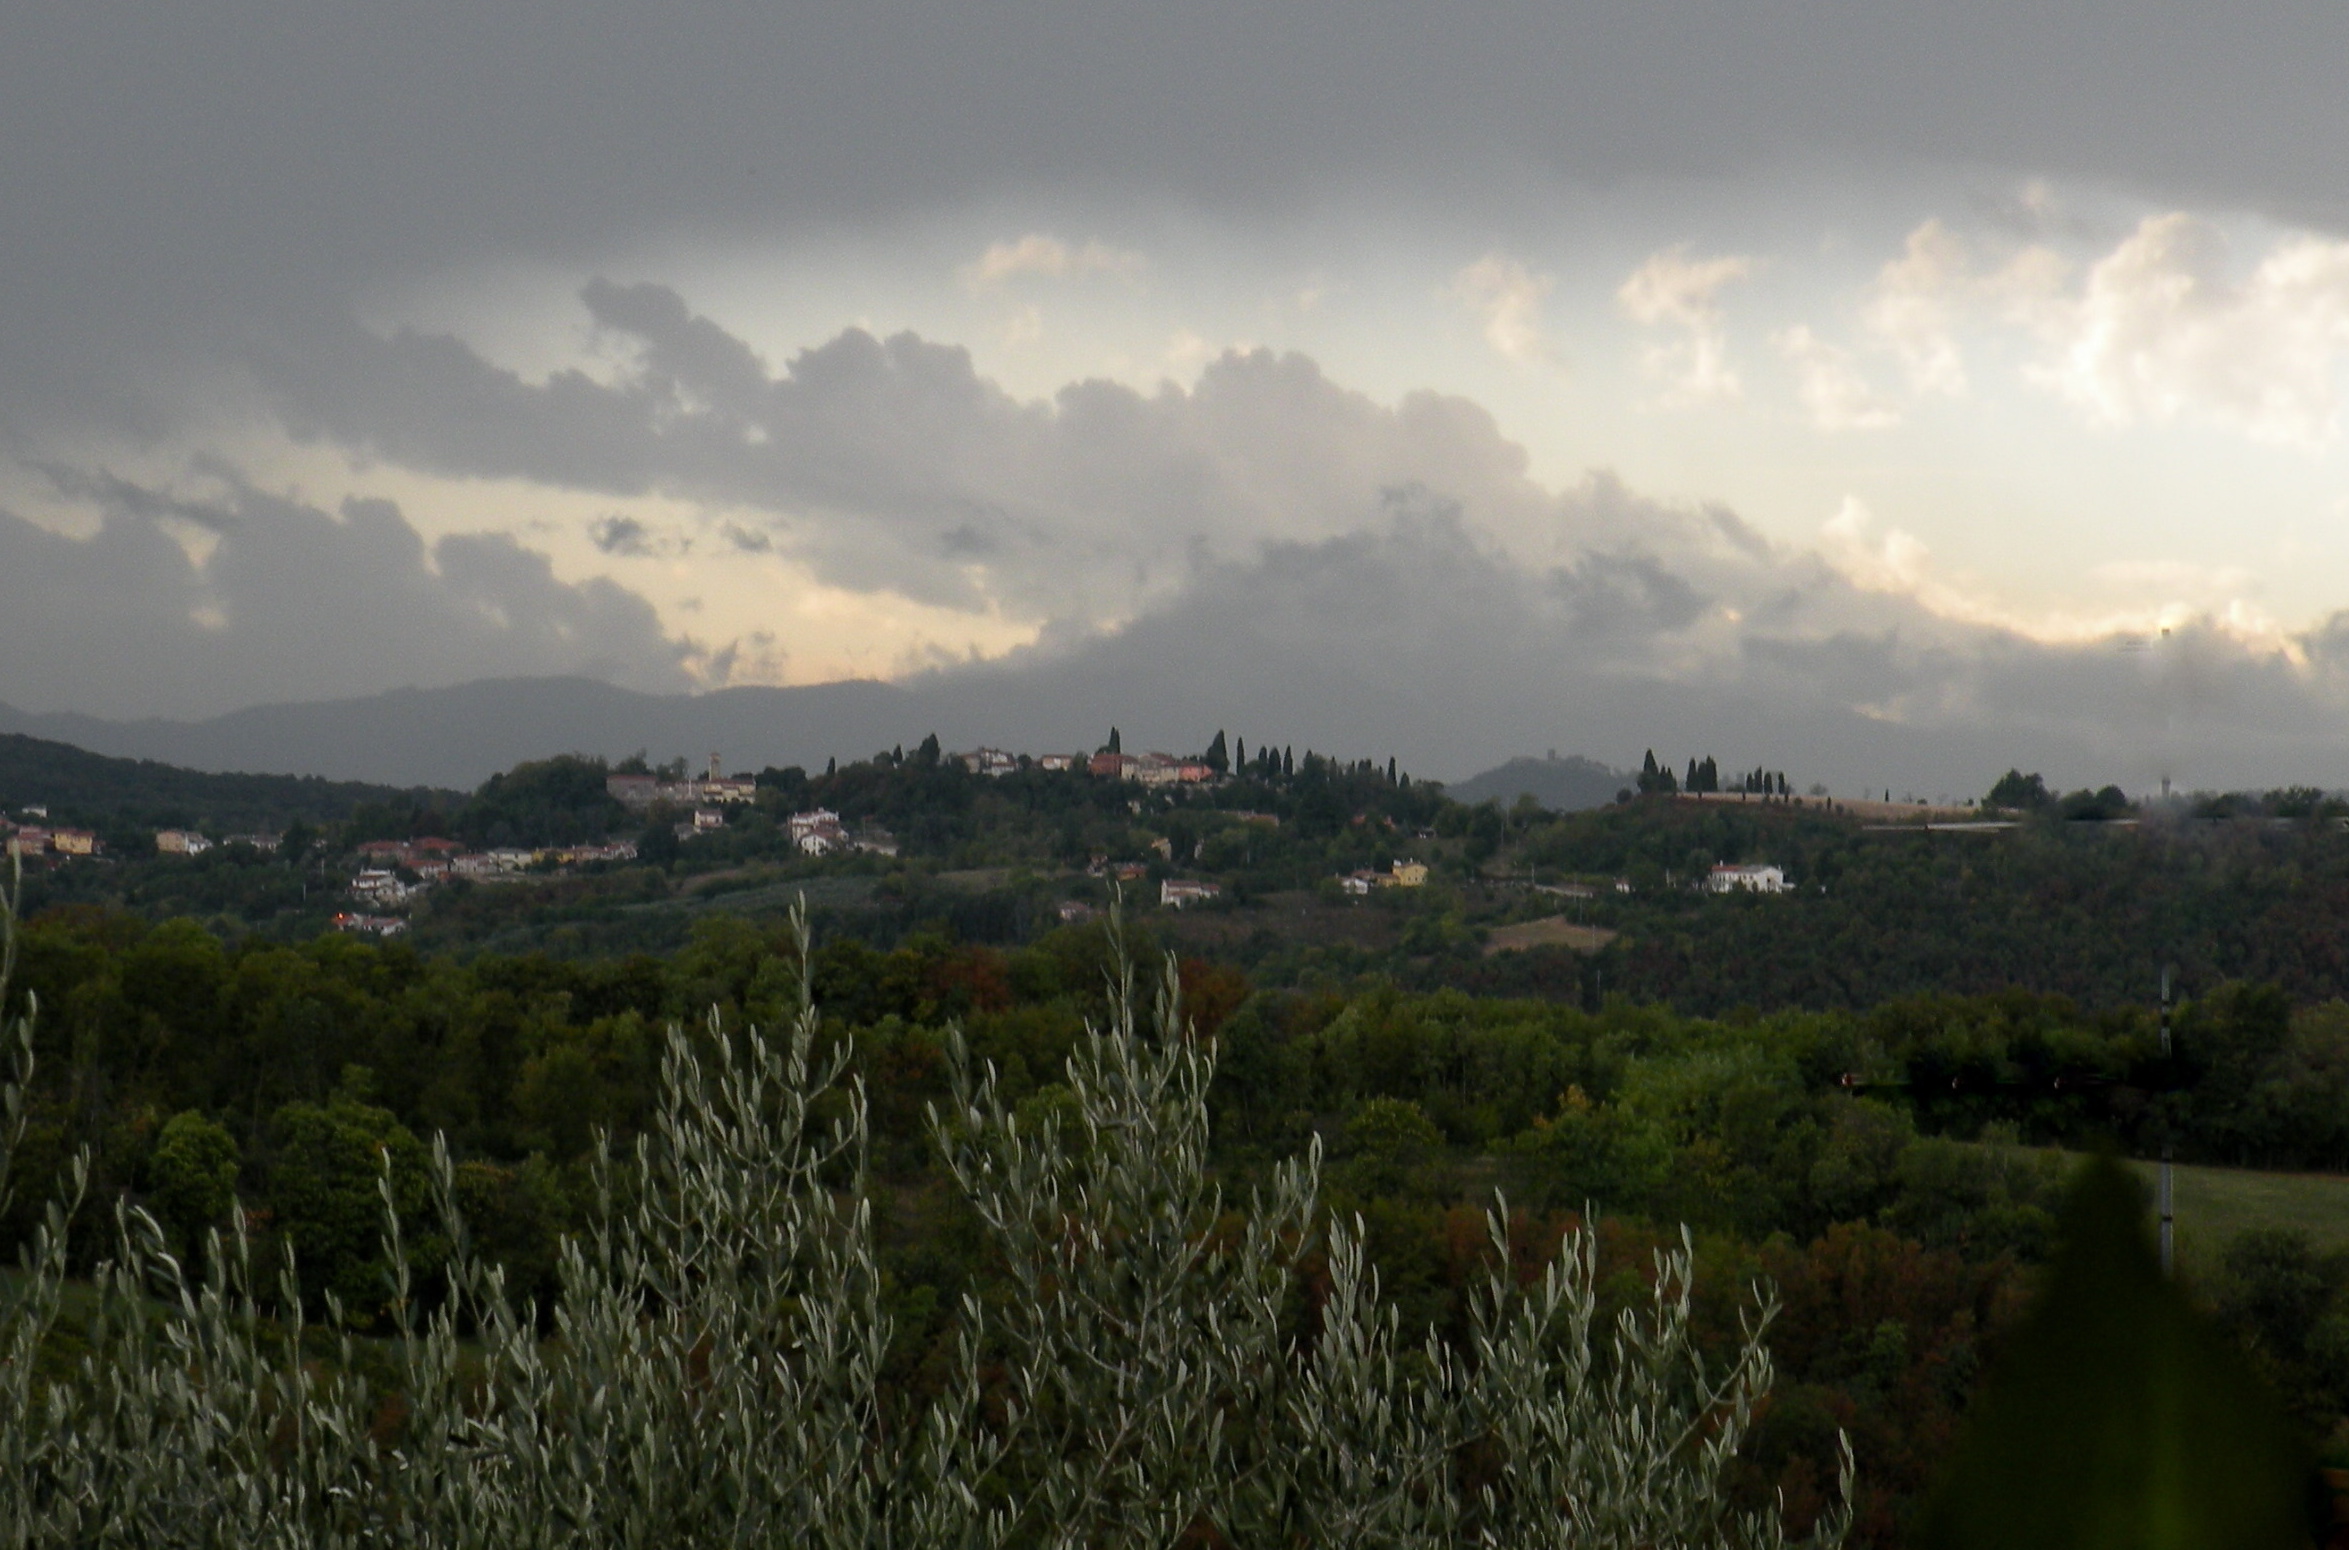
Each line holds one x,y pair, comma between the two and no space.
1550,931
2214,1204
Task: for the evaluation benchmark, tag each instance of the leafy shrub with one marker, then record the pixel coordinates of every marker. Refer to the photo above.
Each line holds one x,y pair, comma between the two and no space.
195,1175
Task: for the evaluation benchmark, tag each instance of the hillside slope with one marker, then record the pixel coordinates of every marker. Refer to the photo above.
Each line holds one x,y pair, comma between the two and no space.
460,736
95,790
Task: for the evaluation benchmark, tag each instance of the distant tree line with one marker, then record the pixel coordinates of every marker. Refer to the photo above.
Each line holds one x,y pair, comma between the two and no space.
1704,775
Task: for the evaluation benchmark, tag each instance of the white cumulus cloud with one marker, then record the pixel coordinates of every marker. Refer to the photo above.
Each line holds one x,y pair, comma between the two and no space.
1674,290
1046,257
1507,298
2162,327
1915,308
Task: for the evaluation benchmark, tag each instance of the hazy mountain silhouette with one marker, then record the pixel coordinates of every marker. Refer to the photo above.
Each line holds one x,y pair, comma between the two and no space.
460,736
1562,785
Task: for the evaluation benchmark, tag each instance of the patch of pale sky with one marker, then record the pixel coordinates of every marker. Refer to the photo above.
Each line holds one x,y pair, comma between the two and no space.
1835,393
2145,597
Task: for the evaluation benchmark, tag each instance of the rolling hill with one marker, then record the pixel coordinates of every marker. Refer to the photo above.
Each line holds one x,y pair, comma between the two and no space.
97,791
1562,785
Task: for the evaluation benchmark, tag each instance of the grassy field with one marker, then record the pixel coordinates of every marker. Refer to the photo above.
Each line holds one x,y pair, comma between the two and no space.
2214,1204
1552,931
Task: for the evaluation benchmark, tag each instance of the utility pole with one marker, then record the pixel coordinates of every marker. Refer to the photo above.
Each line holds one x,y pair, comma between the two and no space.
2167,1200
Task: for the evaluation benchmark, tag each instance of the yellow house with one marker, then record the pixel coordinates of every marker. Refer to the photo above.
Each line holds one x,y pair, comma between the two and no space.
1410,874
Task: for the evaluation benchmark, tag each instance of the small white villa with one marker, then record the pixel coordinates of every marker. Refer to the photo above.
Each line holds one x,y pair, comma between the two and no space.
1752,876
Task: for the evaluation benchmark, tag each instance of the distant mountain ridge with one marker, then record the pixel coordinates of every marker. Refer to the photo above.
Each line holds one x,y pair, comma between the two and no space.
458,737
1562,785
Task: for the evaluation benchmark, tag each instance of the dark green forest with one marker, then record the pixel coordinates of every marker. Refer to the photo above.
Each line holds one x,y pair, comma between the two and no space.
1899,1218
123,799
1863,1092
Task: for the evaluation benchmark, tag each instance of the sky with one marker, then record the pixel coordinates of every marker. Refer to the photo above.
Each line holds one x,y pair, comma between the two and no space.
1889,392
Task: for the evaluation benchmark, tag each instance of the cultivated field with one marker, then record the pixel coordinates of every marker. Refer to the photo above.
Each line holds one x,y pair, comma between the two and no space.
1550,931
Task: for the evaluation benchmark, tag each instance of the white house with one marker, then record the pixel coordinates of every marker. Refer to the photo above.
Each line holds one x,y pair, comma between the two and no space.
1752,876
1175,892
382,886
817,833
181,842
371,925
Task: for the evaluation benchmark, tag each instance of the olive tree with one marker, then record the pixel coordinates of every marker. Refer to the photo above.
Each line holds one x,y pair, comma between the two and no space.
1143,1372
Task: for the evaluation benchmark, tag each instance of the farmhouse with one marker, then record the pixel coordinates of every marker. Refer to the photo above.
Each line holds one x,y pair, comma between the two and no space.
1752,876
993,762
817,833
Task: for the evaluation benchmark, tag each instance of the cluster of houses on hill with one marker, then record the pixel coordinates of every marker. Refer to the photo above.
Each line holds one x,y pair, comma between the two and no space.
707,798
1400,874
188,842
371,925
31,840
819,832
393,872
1148,769
641,793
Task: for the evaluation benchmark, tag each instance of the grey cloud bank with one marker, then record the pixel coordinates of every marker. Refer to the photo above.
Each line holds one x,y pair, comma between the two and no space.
892,463
183,178
1268,552
290,603
199,196
1411,640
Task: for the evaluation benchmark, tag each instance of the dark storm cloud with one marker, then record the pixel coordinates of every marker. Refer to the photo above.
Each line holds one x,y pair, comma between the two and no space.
620,535
205,176
292,603
1414,640
1610,593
